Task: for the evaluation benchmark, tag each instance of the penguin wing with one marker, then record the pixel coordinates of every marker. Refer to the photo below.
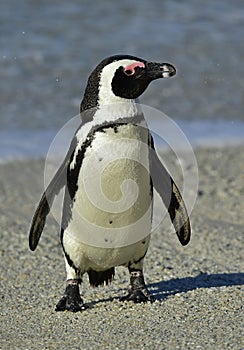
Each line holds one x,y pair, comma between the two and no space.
170,194
46,202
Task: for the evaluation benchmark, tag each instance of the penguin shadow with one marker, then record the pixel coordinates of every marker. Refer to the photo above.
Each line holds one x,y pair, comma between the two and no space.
164,289
94,303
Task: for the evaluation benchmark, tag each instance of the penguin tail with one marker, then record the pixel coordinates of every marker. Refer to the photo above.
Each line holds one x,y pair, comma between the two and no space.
97,278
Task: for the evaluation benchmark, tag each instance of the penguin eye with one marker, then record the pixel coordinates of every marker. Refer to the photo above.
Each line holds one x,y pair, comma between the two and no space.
129,72
135,67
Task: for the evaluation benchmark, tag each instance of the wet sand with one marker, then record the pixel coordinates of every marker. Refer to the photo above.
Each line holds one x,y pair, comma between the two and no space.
198,288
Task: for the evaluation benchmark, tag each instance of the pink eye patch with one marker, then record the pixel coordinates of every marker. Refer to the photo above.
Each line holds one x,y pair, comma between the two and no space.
130,69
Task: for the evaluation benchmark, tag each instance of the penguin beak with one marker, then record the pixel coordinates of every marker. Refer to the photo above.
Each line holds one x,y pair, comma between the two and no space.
160,70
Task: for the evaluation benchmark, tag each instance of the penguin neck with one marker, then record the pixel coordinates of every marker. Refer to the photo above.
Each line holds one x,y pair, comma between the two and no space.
94,100
123,109
106,96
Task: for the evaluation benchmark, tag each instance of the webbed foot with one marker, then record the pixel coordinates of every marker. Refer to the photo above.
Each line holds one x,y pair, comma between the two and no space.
138,291
71,300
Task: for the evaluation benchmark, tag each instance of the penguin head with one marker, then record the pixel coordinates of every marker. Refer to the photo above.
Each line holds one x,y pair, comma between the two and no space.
122,77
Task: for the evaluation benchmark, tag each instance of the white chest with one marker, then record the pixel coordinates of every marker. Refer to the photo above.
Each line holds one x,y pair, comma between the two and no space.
112,206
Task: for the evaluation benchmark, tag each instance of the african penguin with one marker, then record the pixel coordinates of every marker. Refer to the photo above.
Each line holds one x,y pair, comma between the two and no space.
111,148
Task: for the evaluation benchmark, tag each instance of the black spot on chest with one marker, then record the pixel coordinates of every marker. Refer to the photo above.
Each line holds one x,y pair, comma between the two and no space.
73,173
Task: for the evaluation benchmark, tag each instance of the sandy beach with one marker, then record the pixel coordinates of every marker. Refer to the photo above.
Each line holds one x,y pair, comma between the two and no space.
198,288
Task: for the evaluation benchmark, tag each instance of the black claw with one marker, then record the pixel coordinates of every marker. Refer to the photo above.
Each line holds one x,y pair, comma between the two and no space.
71,300
138,296
61,305
138,292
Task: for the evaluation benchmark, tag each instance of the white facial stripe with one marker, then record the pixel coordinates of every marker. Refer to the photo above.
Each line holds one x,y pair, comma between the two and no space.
106,94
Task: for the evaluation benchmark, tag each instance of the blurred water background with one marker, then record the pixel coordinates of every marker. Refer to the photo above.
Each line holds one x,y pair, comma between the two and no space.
48,48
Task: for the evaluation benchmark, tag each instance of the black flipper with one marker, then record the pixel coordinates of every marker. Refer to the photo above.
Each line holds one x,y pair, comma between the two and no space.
170,194
45,204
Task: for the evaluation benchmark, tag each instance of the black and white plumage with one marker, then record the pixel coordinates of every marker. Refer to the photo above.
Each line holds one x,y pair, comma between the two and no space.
111,118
